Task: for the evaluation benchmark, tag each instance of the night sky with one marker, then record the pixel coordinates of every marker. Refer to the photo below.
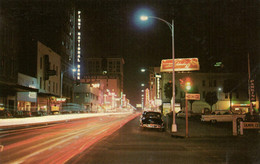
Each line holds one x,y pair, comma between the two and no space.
215,30
211,30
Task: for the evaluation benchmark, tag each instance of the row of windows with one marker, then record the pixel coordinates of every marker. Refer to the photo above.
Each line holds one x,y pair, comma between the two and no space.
95,66
49,86
212,83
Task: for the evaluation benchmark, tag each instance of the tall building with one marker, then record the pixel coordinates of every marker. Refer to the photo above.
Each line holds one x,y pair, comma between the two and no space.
23,25
107,69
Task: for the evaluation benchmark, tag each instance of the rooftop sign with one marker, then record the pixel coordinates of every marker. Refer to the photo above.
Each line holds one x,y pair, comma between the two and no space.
182,64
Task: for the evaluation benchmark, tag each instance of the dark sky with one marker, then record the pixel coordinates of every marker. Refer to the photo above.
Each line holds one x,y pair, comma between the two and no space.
215,30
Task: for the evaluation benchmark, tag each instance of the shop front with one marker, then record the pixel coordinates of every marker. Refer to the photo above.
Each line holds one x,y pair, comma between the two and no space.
26,103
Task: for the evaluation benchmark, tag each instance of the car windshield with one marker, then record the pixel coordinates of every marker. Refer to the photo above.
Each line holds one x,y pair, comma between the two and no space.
153,115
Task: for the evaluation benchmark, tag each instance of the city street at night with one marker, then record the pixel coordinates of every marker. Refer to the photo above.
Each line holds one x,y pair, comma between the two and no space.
129,82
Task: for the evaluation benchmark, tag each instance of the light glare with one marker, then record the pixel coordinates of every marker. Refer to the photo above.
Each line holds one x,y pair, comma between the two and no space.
144,18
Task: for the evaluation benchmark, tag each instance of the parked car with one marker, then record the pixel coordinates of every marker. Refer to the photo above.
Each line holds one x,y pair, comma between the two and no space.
182,114
218,117
152,120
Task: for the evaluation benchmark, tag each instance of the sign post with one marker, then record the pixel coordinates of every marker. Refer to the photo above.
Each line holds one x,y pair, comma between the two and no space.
189,96
186,116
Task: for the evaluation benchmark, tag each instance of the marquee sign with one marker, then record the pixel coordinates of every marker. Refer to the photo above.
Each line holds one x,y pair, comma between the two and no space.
182,64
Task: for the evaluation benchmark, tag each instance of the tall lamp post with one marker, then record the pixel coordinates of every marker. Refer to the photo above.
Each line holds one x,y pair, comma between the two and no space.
171,26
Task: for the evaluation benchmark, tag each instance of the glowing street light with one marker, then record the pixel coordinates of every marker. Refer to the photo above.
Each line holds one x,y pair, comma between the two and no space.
142,85
143,70
144,18
171,26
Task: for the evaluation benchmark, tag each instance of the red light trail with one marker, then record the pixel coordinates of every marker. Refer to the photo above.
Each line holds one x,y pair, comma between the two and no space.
58,143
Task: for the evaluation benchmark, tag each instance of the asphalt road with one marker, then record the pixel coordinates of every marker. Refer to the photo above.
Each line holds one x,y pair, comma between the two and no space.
56,143
207,144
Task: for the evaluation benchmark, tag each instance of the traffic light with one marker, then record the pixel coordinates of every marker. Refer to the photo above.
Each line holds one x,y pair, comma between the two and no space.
186,83
46,67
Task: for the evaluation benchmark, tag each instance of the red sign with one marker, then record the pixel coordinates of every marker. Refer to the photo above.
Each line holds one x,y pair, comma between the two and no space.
252,90
184,64
192,96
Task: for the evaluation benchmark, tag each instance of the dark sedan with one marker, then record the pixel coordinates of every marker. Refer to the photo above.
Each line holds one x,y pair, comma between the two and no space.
152,120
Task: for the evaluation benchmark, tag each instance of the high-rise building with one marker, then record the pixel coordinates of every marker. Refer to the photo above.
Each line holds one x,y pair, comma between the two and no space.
23,25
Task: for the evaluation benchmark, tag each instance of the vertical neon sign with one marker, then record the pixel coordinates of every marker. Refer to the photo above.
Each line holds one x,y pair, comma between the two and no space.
78,45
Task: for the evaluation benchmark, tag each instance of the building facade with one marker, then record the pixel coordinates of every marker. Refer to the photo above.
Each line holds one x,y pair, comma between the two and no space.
236,99
23,25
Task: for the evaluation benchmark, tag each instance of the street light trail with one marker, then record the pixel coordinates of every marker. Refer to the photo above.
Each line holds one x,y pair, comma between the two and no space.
58,144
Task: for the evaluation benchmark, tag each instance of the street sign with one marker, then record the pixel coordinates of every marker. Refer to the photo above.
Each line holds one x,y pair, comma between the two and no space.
61,99
252,90
190,96
248,125
251,125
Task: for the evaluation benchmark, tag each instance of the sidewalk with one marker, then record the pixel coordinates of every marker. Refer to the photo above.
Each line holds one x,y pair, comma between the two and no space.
17,122
196,128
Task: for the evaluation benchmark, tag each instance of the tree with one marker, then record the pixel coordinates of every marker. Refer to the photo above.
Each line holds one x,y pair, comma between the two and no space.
211,98
168,90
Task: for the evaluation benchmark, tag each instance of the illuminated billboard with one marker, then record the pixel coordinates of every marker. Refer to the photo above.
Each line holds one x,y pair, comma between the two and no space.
182,64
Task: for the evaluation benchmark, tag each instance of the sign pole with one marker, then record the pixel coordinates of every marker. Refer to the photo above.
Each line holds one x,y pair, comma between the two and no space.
249,88
186,115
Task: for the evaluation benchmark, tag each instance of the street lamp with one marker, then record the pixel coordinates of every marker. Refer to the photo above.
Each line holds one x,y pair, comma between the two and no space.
219,90
171,26
187,88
